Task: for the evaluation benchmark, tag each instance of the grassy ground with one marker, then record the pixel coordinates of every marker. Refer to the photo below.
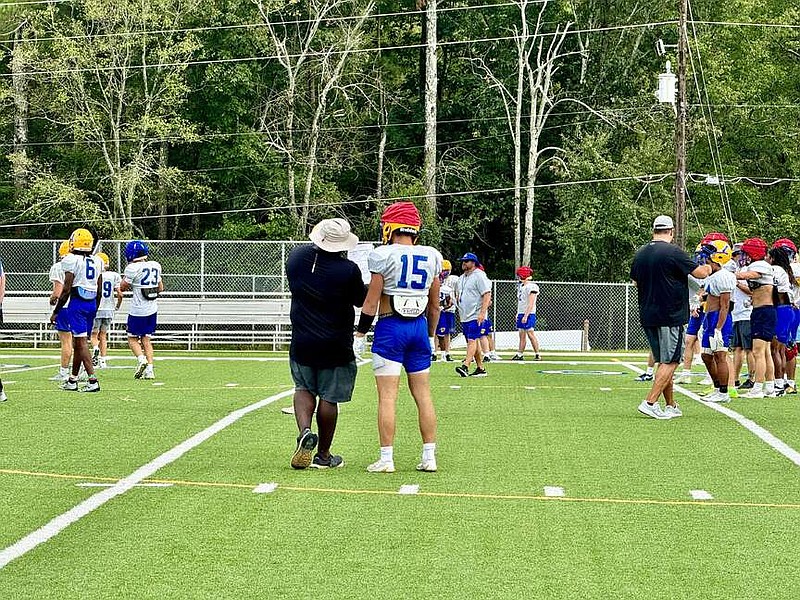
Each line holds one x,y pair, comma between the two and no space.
479,528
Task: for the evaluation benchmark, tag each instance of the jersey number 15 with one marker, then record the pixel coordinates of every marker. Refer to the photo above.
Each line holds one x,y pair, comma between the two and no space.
419,276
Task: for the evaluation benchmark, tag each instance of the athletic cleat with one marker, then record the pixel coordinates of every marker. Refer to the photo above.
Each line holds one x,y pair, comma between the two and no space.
790,389
479,373
140,370
306,442
779,392
487,358
518,357
334,462
448,358
645,377
753,394
537,357
92,386
95,357
101,364
733,394
716,396
3,396
747,385
683,379
706,381
434,357
381,466
673,411
706,392
428,466
149,374
58,377
653,410
70,386
462,370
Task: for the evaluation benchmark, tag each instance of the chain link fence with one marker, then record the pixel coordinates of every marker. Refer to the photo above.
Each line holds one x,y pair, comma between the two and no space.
242,270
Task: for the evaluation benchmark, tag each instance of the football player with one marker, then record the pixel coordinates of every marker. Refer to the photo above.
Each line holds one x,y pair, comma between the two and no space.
447,316
142,277
404,295
83,275
61,324
760,278
110,300
781,255
527,294
718,323
791,351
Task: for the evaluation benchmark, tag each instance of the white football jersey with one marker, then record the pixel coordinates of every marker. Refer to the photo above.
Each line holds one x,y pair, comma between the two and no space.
795,293
721,282
57,273
781,280
407,270
524,290
108,294
448,290
142,275
86,271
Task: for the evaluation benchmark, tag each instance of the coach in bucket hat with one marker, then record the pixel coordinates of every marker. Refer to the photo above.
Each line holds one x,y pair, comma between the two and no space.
333,235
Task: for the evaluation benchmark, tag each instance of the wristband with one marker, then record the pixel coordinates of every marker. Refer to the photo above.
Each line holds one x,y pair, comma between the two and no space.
364,323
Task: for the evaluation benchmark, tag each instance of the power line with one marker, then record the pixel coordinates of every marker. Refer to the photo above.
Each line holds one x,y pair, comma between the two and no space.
746,24
7,4
327,53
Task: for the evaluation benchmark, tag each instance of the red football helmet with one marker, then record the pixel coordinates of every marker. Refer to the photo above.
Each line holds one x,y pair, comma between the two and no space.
787,244
524,272
755,248
400,216
714,235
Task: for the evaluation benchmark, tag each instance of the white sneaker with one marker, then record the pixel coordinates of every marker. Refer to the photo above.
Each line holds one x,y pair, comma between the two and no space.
58,377
706,381
753,394
101,364
684,379
716,396
653,410
3,398
148,373
381,466
429,466
673,411
140,370
92,386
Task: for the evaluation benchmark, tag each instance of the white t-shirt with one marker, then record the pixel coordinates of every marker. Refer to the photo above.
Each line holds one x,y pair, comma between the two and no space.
524,291
407,270
142,275
57,273
108,296
781,280
766,271
86,272
471,288
742,303
448,290
721,282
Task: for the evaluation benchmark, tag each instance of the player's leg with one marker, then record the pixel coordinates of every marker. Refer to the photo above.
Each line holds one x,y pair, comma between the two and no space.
419,385
65,341
335,386
147,347
96,341
304,402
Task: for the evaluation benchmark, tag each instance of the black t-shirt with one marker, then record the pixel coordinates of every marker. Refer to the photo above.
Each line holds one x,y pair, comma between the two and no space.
659,270
325,287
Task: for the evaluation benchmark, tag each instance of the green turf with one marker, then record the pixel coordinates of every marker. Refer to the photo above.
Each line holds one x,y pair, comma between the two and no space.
496,439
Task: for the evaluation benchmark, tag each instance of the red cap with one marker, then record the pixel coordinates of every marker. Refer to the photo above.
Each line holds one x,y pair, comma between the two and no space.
755,248
524,272
402,213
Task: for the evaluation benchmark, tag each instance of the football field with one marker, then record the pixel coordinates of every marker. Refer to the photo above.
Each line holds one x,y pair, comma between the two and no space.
550,485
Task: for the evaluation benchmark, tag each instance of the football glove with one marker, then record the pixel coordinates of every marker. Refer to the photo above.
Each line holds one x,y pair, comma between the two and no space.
358,345
716,342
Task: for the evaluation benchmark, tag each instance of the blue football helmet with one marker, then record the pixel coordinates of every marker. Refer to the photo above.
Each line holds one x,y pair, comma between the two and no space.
135,249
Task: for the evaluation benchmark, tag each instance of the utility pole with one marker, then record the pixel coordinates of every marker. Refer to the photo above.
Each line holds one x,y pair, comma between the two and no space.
680,128
431,91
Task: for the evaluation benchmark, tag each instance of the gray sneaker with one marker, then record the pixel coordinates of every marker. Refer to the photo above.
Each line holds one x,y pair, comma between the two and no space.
653,410
306,442
334,461
673,411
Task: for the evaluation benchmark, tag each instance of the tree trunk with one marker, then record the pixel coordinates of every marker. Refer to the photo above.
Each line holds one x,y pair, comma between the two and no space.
431,86
163,192
20,94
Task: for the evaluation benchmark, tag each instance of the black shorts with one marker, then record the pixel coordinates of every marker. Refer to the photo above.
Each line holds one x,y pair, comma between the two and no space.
762,323
741,335
333,384
666,343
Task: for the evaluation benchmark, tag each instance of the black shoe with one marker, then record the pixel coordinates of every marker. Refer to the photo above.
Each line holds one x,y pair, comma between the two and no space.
645,377
462,370
306,442
433,357
479,373
487,358
518,357
447,358
334,461
95,356
537,357
747,385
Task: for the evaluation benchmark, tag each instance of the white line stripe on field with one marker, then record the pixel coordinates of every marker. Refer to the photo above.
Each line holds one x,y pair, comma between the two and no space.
265,488
751,426
59,523
94,484
409,489
700,495
26,369
553,491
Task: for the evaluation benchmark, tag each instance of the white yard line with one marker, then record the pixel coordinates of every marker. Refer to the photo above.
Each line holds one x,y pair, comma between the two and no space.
554,491
59,523
751,426
26,369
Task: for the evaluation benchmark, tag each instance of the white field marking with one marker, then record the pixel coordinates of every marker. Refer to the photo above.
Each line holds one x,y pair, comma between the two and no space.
59,523
7,382
409,489
159,383
605,389
265,488
700,495
553,491
455,387
26,369
751,426
231,384
530,387
91,484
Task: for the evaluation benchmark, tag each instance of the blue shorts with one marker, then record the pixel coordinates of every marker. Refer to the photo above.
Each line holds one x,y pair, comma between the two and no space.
486,328
471,330
762,323
139,326
447,324
80,316
694,324
795,325
404,341
784,320
529,324
710,324
62,319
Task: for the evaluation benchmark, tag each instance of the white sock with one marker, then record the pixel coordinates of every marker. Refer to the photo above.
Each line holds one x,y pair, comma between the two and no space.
779,383
64,371
769,387
387,454
428,451
758,387
141,358
649,370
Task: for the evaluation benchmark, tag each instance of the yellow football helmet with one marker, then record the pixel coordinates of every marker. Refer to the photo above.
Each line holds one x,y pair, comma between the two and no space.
81,240
722,252
104,257
63,249
446,266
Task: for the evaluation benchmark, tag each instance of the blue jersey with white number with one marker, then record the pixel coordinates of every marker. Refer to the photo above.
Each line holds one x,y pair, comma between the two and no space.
142,275
406,270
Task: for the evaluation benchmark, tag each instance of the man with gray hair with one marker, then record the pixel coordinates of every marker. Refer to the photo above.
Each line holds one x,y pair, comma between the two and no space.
660,271
325,288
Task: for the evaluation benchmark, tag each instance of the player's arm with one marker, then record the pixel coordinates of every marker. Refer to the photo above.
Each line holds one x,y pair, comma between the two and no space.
99,297
119,297
724,305
432,310
69,277
371,303
486,300
529,308
125,286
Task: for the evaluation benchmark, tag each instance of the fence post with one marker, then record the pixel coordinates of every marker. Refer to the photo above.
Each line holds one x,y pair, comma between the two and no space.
627,315
283,266
585,336
202,269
